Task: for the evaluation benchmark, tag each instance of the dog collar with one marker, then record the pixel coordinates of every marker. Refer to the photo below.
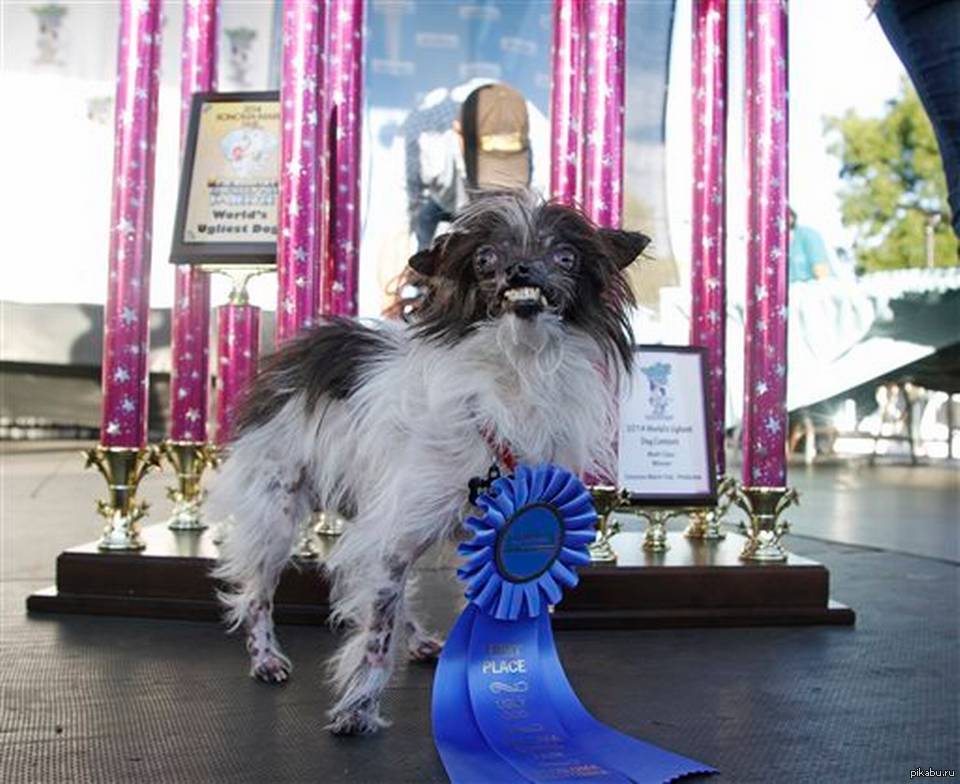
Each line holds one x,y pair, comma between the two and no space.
503,457
501,450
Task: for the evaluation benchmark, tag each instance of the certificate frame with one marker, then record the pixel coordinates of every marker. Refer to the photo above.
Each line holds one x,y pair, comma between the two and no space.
217,253
706,493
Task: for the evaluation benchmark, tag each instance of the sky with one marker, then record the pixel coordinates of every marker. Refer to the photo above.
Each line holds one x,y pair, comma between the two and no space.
839,59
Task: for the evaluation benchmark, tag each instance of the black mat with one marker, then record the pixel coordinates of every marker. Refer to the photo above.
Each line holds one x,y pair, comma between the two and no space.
114,700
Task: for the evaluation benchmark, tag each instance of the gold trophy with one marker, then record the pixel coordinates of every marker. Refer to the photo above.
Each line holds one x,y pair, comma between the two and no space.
189,459
764,507
705,521
606,499
319,524
655,535
123,468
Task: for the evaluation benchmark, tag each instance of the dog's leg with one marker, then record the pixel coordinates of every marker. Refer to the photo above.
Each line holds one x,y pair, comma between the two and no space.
253,556
363,666
422,646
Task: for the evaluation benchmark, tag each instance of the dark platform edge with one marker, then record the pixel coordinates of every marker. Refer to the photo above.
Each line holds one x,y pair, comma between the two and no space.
171,580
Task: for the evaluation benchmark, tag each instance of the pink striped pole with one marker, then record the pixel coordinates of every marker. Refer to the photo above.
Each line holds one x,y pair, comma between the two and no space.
764,493
238,347
708,249
602,173
191,304
345,107
122,456
566,100
765,412
301,246
187,449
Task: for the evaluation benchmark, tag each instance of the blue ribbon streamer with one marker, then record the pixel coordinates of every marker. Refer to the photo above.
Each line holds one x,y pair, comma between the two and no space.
503,709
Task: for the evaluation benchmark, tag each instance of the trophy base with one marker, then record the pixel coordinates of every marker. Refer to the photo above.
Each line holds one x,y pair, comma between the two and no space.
327,524
704,527
121,535
694,584
186,518
601,551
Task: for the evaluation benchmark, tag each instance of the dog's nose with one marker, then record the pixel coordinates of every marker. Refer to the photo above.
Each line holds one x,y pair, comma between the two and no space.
519,270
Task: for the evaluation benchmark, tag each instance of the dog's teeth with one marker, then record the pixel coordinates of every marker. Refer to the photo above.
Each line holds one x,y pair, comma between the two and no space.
523,293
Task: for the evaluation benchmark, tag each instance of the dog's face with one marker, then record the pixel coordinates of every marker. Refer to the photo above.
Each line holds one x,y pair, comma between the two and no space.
512,255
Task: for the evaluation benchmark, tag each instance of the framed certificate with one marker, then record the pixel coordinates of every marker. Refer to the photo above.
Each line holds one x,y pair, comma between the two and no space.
665,456
227,205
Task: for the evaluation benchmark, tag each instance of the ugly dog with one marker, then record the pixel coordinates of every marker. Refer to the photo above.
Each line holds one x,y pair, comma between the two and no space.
515,349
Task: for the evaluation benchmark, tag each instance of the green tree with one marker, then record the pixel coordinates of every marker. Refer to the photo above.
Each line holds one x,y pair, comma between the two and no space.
893,185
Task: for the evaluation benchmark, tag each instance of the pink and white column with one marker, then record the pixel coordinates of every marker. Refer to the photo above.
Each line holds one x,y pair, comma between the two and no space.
345,111
604,61
122,455
764,493
708,248
566,101
187,449
238,349
601,173
190,377
301,245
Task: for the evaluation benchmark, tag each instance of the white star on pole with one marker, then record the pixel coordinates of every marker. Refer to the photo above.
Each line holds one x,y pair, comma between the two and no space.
127,404
760,293
182,392
120,375
761,387
113,428
773,425
128,316
192,414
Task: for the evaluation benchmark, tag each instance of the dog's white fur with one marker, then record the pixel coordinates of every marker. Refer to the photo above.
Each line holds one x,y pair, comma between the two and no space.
401,447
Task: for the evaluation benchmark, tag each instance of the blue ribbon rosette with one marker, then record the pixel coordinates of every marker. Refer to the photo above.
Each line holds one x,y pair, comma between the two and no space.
503,709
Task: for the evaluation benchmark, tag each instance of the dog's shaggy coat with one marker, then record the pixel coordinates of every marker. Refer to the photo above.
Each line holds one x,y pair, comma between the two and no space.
521,337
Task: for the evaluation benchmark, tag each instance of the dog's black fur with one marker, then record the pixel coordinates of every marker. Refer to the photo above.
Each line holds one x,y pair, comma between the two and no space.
522,242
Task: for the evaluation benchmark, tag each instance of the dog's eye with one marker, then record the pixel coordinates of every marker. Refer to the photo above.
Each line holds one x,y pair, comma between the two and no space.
485,258
563,256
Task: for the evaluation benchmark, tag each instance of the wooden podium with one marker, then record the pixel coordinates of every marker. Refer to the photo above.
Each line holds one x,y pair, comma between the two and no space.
693,584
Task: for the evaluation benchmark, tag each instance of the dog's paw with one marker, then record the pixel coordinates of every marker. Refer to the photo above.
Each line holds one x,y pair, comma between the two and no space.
355,721
270,667
424,648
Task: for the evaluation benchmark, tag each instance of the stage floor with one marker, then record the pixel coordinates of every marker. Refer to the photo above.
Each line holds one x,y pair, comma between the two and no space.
117,700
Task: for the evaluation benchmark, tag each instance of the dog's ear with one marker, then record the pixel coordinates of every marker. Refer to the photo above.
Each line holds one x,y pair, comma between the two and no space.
626,245
425,261
428,261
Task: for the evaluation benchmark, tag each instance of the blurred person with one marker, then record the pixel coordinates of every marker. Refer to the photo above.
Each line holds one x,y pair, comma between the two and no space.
485,147
809,259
